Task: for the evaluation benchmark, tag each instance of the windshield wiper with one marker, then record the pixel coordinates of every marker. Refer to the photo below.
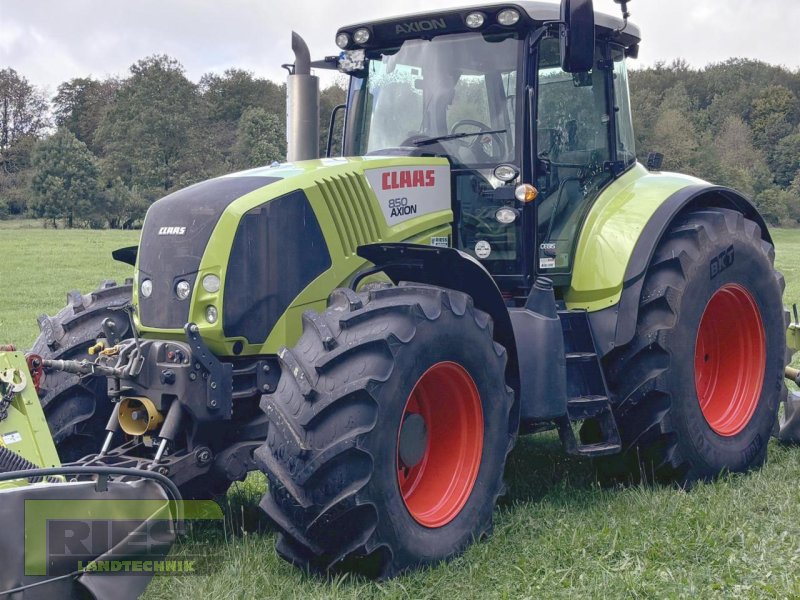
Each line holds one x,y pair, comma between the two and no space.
455,136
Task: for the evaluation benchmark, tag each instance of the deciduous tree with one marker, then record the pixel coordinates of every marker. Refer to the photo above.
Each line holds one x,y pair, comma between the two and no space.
23,115
81,103
260,139
64,180
145,135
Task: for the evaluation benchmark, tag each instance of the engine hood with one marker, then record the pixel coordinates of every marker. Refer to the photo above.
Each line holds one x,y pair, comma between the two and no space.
288,224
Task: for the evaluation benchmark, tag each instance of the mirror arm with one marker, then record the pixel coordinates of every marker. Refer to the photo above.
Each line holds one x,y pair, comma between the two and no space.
623,4
539,33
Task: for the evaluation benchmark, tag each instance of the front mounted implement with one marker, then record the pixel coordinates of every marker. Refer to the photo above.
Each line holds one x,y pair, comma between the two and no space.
66,527
790,421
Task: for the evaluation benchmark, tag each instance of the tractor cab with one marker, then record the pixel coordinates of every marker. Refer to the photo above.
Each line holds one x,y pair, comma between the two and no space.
531,139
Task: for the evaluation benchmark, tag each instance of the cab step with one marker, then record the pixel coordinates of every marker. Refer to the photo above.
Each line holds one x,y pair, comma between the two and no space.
581,408
588,397
601,449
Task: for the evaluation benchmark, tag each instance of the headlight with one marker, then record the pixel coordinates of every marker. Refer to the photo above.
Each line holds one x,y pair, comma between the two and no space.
506,215
147,288
361,36
211,284
508,17
342,40
211,314
182,290
475,20
506,173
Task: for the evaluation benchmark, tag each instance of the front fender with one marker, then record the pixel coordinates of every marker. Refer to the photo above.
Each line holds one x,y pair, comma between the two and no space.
612,230
455,270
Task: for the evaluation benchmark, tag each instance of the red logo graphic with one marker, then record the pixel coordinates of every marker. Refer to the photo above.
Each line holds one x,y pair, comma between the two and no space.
395,180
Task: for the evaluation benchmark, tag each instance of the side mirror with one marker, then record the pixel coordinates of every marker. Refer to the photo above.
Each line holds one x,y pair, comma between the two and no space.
577,36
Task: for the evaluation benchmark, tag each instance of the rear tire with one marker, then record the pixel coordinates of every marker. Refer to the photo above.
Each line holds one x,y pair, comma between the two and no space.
340,491
697,391
77,408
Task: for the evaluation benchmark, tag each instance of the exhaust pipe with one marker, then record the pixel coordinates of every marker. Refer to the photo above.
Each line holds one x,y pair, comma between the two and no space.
302,106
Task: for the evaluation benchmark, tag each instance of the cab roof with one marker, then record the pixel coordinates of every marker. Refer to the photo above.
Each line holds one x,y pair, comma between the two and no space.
534,10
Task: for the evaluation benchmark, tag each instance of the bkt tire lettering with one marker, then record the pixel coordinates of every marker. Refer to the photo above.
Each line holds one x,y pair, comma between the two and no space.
722,262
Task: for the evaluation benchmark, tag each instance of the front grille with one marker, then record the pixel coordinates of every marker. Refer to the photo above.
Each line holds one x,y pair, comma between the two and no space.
349,202
175,234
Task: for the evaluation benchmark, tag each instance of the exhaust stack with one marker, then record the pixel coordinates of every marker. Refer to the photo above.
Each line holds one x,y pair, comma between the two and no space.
302,105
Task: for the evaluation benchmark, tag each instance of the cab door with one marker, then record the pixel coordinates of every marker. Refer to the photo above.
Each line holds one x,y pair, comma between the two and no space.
574,154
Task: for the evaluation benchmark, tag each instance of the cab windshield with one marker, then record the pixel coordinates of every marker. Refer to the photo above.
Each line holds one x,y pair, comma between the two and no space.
453,95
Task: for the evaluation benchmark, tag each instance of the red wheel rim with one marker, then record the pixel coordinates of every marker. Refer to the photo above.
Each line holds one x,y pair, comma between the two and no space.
436,488
729,360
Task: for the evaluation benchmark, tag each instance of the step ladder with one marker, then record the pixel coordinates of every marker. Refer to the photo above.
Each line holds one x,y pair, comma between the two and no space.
587,391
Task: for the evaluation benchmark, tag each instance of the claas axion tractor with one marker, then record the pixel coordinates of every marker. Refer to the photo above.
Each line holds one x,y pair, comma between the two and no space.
374,331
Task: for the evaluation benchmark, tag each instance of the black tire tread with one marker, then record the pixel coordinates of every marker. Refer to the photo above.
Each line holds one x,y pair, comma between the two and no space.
67,336
637,372
316,471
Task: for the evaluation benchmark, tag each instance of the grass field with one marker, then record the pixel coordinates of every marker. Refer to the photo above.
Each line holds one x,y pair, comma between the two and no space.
558,534
39,266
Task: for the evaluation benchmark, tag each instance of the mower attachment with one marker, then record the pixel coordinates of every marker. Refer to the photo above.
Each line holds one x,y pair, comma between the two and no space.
790,421
44,555
73,529
25,439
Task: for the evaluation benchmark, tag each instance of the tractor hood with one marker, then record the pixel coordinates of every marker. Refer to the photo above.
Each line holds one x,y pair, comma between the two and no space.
234,253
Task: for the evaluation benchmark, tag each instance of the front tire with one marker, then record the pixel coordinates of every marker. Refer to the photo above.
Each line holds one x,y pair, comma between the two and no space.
697,391
389,431
77,408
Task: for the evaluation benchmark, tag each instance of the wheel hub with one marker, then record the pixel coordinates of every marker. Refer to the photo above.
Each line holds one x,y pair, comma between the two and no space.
440,444
413,440
730,358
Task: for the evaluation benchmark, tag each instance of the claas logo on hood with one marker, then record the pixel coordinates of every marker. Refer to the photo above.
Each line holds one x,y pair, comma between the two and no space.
395,180
172,231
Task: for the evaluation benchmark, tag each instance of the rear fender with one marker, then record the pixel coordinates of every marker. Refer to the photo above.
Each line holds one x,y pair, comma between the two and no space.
616,325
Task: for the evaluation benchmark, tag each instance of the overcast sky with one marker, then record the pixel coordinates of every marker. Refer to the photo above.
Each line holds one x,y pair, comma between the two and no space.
50,41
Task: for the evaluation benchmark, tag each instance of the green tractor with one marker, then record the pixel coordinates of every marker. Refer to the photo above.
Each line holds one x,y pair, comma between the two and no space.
373,331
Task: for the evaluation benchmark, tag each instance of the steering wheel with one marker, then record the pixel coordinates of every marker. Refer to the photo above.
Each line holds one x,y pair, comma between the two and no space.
477,142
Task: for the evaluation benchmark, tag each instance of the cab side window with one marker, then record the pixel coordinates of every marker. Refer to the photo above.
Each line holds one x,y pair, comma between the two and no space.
573,139
626,144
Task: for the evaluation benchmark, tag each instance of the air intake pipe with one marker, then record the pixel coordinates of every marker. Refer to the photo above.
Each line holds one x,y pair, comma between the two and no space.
302,105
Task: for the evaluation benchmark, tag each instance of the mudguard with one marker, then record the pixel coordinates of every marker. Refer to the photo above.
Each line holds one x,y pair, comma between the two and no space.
453,269
619,237
126,255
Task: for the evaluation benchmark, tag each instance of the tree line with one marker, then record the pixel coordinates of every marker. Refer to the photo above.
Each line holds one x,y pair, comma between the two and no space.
100,152
735,123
